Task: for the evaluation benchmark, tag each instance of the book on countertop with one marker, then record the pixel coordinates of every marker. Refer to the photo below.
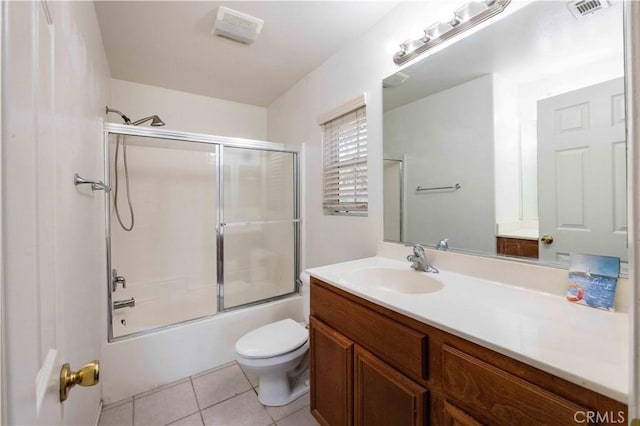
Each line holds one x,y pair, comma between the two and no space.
593,280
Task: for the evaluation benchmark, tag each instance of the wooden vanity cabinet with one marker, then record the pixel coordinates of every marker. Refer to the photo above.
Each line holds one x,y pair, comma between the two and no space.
518,247
353,386
453,416
331,355
373,366
383,396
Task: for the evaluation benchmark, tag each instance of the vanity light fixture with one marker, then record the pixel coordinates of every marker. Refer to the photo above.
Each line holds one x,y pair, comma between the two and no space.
465,17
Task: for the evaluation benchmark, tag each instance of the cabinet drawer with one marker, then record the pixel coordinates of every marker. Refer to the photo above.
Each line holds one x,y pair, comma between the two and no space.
505,398
400,346
517,247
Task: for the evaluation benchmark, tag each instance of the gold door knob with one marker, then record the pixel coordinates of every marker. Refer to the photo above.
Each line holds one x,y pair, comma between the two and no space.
546,239
88,375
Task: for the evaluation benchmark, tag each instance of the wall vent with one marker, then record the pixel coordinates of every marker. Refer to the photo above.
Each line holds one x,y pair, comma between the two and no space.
394,80
236,25
587,7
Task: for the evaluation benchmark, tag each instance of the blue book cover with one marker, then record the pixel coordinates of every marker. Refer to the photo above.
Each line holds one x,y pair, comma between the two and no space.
593,280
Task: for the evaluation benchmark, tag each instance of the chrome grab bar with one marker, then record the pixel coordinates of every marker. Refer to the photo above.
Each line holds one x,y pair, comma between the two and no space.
129,303
96,185
454,188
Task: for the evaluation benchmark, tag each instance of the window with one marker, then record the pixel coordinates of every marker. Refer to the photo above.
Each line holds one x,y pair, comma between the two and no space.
345,162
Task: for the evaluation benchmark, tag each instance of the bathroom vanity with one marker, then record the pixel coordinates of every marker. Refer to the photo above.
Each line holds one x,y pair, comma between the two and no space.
520,247
384,364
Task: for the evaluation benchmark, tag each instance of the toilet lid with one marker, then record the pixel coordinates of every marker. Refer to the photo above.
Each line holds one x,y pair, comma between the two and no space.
272,339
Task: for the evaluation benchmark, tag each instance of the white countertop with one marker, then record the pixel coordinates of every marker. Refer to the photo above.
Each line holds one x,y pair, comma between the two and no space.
586,346
522,234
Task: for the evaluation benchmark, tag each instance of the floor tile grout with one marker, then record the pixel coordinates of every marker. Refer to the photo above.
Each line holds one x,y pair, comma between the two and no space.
223,400
199,408
166,386
116,404
246,376
197,401
295,412
184,417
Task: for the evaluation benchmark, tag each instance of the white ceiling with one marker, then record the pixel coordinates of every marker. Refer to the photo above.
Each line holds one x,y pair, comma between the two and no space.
168,44
537,41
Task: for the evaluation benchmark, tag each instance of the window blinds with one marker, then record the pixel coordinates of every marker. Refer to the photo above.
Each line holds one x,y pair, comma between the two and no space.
345,163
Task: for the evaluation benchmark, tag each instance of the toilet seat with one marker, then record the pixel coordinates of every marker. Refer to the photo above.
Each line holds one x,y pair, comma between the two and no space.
272,340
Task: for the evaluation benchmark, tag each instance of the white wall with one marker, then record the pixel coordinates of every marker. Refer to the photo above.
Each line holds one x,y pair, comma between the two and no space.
359,67
448,138
508,175
188,112
55,84
393,199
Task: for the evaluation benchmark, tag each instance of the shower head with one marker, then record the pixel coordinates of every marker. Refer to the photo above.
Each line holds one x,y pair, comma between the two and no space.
155,121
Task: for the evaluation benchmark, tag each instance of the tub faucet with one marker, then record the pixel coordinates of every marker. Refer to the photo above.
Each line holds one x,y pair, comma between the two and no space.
129,303
419,260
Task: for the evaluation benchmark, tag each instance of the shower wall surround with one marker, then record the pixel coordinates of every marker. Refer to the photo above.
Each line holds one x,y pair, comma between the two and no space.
168,259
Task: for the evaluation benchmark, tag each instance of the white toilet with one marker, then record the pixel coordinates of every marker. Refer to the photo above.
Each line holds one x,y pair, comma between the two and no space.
278,353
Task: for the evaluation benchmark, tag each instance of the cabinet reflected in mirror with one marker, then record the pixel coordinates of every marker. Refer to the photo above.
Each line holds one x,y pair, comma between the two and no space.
511,141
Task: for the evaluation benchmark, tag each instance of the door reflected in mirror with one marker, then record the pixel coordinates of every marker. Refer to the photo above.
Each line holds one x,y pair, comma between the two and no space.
511,141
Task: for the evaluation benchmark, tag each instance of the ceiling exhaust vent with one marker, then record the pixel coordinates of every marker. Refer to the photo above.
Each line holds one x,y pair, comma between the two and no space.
236,25
394,80
587,7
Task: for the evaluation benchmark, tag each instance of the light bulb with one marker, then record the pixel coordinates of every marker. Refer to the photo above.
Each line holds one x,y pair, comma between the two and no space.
393,47
470,10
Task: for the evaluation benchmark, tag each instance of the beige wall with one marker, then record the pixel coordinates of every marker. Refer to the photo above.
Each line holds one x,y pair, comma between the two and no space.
358,68
434,133
188,112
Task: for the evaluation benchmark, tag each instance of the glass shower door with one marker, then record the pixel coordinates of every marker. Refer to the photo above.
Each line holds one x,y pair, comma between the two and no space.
165,255
259,221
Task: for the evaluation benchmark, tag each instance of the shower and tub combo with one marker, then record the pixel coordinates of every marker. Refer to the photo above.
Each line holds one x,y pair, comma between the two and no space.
210,233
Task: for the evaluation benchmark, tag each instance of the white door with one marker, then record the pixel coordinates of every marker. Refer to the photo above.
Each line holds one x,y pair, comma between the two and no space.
582,172
44,325
392,191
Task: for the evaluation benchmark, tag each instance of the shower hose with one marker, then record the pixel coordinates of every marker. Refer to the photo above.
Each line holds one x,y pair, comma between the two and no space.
126,179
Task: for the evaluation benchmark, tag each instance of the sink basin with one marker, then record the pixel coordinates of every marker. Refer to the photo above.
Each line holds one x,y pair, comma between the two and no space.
395,280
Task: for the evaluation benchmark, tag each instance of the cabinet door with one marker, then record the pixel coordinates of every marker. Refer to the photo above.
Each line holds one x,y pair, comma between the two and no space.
331,375
453,416
384,396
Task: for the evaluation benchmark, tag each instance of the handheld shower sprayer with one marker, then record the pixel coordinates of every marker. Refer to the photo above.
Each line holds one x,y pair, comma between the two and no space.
155,122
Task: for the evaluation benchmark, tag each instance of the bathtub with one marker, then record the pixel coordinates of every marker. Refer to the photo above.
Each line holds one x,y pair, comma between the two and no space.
141,363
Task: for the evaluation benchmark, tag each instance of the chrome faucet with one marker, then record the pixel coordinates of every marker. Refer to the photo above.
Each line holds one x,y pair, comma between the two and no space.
419,260
129,303
443,244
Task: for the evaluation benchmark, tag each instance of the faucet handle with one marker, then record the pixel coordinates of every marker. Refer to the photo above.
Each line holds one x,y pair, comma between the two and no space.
117,279
443,244
418,250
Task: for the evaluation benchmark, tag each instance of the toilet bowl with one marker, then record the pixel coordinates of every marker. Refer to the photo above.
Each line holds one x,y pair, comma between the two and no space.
278,353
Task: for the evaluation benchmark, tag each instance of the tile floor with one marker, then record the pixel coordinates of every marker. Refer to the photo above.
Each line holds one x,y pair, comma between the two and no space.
222,396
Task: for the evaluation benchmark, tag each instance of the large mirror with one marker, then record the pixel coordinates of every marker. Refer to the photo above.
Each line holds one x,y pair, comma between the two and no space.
511,140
